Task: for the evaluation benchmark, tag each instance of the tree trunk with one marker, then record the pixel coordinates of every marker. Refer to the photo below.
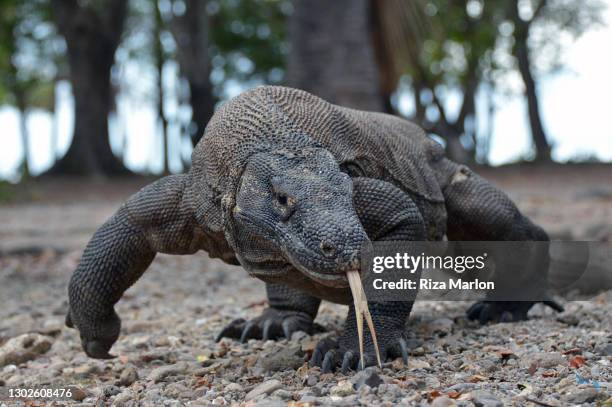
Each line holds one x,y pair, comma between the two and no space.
23,129
190,32
92,35
538,134
332,53
160,59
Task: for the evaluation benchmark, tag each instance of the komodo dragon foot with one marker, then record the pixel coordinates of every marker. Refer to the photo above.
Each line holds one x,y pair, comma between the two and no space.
271,324
330,354
505,311
389,320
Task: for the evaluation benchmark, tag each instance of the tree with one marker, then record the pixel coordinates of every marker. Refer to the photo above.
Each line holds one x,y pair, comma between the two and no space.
332,53
92,31
27,69
551,19
190,31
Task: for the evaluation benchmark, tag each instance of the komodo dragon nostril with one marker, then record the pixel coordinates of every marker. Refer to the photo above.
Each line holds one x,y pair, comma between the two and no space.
328,249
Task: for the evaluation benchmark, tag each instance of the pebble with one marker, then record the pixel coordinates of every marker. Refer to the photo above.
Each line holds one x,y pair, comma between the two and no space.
23,348
128,376
342,389
123,398
283,394
443,401
286,358
233,387
109,391
482,398
78,394
367,377
87,369
545,360
604,349
160,373
582,396
264,388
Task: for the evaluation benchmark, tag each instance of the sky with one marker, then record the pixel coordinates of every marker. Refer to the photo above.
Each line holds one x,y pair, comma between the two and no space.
575,105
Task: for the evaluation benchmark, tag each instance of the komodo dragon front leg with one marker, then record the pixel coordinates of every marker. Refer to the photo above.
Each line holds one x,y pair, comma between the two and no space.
157,219
387,214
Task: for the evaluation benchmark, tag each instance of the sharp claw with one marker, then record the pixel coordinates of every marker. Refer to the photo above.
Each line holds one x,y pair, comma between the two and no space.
97,349
69,322
554,305
266,330
484,314
247,330
315,359
404,350
506,317
474,311
328,362
347,361
287,328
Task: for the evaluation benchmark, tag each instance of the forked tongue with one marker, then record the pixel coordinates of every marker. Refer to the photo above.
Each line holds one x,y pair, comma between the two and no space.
362,311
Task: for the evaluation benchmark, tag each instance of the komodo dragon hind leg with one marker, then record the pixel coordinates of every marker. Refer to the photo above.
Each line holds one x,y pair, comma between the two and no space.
477,211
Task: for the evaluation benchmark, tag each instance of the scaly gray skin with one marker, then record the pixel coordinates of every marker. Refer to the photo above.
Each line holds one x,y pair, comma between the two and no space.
290,187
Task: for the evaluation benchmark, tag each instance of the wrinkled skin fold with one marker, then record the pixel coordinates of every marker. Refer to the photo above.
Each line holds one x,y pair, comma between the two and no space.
291,187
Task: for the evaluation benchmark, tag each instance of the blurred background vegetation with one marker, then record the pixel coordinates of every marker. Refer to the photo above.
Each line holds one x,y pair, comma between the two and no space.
187,56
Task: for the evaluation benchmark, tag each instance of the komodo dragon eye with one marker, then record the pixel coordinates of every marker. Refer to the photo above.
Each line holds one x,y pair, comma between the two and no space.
352,169
284,204
282,199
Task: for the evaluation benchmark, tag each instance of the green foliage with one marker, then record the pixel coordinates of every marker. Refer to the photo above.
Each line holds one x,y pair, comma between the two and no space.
249,40
30,54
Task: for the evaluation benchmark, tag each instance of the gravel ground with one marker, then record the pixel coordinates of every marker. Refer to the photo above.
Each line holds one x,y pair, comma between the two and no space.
166,354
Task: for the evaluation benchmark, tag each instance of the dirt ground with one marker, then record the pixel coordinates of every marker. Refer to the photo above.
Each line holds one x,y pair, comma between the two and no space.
167,354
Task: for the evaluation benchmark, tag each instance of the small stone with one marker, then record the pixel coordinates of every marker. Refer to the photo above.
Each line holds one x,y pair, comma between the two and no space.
368,376
78,394
312,380
270,403
604,349
109,391
569,319
582,396
546,360
128,376
123,398
443,401
23,348
342,389
283,394
308,398
264,388
159,374
87,369
441,325
298,336
288,358
141,342
233,387
482,398
219,401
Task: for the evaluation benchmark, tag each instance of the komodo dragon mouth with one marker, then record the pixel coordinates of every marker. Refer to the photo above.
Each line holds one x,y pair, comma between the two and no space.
362,311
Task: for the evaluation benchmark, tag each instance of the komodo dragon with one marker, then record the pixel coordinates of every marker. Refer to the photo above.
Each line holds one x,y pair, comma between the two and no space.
290,187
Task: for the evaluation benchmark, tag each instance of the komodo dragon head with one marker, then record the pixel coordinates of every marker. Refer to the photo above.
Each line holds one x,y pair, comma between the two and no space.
294,210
